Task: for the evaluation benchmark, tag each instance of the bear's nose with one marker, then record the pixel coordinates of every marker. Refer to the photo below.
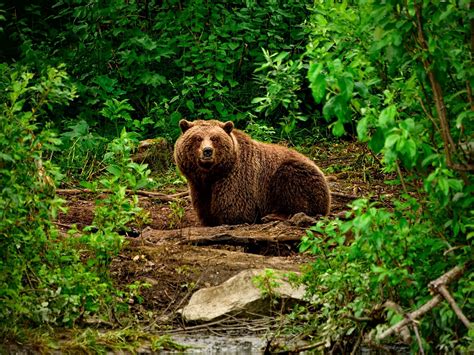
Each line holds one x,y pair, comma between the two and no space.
207,152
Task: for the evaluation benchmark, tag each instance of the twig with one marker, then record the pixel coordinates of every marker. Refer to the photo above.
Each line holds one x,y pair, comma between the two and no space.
402,180
411,317
158,195
418,338
428,114
357,344
69,226
301,348
348,196
447,296
358,319
444,279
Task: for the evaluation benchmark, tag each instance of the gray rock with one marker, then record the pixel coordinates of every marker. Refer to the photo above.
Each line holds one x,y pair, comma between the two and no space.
240,295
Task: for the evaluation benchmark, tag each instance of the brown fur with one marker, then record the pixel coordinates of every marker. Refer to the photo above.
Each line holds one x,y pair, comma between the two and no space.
242,180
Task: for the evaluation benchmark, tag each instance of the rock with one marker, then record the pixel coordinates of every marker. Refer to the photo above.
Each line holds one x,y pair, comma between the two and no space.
240,295
300,219
156,152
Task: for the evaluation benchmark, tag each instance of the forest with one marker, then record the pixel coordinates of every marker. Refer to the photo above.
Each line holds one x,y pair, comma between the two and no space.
100,247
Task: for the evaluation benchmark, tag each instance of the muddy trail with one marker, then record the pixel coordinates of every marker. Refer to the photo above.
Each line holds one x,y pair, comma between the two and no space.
176,256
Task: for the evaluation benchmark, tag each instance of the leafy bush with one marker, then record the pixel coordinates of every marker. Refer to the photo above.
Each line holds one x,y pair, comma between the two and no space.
115,212
44,277
387,73
145,65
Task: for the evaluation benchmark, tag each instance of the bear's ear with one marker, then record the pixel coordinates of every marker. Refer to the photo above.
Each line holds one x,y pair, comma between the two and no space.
228,126
185,125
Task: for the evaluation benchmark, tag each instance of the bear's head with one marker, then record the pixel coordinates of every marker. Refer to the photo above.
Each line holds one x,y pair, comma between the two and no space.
206,147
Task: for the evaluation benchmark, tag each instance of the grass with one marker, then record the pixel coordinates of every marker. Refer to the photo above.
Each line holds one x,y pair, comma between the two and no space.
83,341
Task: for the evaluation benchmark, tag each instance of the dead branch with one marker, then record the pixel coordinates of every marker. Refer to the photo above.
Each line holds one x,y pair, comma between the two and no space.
404,332
346,196
411,317
441,288
442,281
307,347
157,195
166,197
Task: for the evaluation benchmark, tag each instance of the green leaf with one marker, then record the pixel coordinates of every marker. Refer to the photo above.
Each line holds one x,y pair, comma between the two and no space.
346,85
378,141
362,129
338,128
318,88
328,108
387,117
279,58
190,105
114,170
391,140
410,148
317,81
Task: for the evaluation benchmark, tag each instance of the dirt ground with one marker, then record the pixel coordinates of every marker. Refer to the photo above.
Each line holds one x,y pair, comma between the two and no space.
176,256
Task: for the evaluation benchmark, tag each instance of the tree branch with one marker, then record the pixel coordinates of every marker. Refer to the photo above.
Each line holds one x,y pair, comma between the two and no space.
443,280
449,146
157,195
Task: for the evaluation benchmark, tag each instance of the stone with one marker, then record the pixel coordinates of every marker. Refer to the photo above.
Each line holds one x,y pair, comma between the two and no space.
240,295
155,152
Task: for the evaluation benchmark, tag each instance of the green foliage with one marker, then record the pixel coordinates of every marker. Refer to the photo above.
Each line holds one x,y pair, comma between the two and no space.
46,278
42,278
281,78
116,212
97,341
81,151
176,214
260,131
267,283
145,65
373,70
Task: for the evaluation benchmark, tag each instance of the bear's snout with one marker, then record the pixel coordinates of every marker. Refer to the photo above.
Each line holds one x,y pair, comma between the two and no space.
206,156
207,152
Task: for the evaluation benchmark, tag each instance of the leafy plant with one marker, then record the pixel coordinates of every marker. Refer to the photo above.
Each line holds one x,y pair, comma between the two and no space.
267,283
390,85
143,66
176,214
43,279
82,152
282,81
116,212
260,131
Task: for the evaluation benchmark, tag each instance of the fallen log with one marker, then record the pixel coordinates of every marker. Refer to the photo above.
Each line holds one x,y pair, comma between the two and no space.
265,239
166,197
157,195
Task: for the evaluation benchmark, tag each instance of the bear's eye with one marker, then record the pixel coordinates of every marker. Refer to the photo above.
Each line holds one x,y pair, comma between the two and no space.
215,139
198,139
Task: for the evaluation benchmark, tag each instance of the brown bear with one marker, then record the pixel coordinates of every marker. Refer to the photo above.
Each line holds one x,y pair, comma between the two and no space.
234,179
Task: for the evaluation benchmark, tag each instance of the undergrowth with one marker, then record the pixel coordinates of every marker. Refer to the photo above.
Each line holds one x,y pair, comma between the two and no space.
48,278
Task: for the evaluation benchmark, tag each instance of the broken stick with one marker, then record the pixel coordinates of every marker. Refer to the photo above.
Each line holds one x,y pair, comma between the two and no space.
435,285
157,195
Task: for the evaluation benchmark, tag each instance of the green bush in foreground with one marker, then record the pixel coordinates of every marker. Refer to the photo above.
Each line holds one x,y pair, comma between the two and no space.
45,277
402,73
